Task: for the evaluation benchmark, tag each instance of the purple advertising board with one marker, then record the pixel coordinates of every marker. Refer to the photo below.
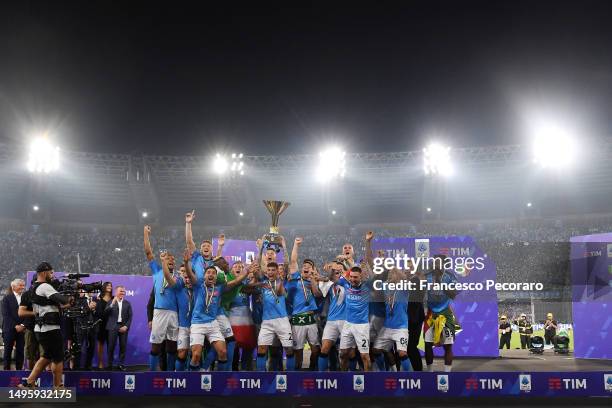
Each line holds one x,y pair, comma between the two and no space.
591,264
138,288
336,384
241,250
476,311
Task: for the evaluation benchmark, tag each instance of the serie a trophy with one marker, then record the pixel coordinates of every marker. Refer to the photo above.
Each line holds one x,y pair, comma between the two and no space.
273,239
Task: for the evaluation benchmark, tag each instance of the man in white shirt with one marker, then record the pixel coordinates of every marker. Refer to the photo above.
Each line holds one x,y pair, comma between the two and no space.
118,323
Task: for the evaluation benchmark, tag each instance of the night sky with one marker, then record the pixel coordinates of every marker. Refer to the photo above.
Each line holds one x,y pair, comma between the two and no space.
189,78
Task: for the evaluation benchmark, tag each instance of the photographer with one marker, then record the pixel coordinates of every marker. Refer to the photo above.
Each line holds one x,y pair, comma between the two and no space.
46,304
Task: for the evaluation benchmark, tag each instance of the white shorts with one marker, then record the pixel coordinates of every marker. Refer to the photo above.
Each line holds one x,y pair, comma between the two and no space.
355,335
183,338
275,327
303,334
164,326
225,326
387,337
333,330
445,338
376,325
203,331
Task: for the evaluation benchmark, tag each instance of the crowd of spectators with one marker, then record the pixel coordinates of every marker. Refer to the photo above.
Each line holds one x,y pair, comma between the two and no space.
522,252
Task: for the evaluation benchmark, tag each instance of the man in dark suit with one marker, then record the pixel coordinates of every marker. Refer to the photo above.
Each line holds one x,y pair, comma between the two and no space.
13,330
119,314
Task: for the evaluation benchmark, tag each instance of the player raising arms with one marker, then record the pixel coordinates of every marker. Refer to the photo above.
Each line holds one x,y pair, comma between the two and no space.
184,298
356,330
208,289
395,328
274,320
165,317
206,246
302,288
440,321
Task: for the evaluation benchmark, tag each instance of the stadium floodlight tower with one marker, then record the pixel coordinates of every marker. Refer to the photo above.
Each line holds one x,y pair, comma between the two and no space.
437,160
553,146
220,164
332,165
43,156
237,164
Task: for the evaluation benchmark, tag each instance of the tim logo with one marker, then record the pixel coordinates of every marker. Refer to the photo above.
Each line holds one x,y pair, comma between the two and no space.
525,382
460,251
591,253
206,382
491,384
308,383
281,382
173,383
130,382
442,382
95,383
390,384
14,381
404,384
471,384
231,383
555,383
608,382
358,383
252,383
326,384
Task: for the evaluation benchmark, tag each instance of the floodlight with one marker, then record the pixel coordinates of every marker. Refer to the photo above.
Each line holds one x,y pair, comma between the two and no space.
529,204
428,209
332,165
553,146
436,160
220,164
145,214
35,208
241,213
237,164
43,157
333,212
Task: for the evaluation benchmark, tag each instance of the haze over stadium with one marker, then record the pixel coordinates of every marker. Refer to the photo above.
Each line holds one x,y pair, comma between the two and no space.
442,129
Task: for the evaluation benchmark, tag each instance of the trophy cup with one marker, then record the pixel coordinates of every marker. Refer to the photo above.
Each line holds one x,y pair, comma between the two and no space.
273,239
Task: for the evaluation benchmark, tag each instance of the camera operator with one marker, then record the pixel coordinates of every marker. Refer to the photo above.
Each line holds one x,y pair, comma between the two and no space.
46,304
83,334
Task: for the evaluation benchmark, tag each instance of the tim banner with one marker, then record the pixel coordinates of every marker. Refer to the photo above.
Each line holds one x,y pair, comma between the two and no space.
345,384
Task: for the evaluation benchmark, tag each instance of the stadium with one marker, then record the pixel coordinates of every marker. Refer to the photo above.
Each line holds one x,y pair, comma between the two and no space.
359,253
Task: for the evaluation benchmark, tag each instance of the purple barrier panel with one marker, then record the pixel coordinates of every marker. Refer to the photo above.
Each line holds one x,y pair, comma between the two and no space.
353,384
476,311
591,263
138,289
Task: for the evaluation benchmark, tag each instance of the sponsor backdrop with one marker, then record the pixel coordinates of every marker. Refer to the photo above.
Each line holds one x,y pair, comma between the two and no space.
457,384
476,311
591,263
138,289
241,250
